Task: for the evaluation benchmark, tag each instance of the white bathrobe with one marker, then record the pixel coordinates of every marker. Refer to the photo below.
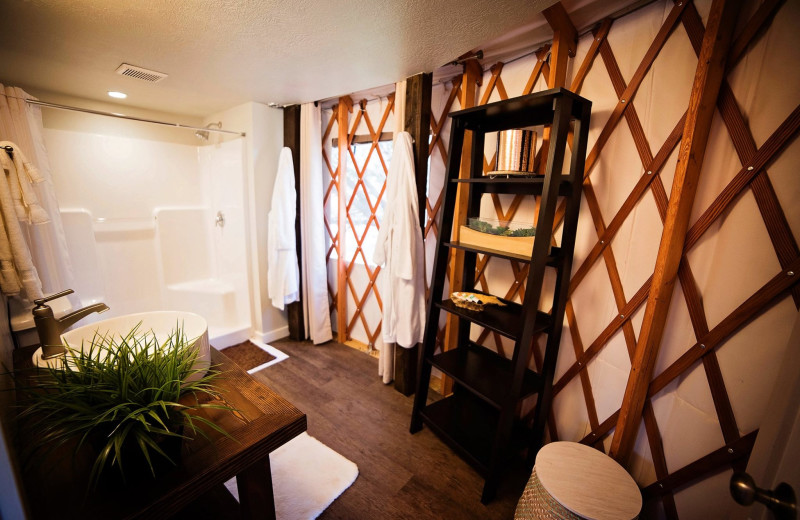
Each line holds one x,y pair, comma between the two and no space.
400,250
283,275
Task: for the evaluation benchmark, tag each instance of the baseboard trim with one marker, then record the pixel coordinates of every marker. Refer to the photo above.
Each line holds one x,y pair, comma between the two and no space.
230,338
272,335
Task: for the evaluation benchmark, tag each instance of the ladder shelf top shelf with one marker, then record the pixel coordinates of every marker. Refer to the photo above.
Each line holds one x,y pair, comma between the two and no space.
531,110
514,184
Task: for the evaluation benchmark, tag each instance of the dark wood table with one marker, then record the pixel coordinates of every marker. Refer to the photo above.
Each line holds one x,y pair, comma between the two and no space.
263,422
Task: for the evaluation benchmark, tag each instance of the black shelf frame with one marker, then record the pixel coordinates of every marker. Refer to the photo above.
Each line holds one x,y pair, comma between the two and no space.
477,421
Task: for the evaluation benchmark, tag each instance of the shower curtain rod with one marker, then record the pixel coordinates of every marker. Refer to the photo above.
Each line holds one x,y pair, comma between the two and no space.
131,118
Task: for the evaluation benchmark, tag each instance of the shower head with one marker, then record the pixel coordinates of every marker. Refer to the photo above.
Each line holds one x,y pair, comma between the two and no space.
203,134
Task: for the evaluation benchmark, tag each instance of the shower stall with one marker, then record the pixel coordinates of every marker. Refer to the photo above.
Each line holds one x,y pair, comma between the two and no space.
154,224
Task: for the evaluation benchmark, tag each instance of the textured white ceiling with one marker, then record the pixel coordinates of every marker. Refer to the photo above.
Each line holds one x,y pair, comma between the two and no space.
225,52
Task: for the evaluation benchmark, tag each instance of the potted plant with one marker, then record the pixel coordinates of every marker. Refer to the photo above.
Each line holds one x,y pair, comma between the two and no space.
125,399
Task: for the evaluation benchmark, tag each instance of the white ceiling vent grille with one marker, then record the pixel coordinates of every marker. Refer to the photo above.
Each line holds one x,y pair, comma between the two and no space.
132,71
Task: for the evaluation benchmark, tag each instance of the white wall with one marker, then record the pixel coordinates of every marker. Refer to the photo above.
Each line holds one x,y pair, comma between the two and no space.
264,128
120,197
123,180
729,264
80,122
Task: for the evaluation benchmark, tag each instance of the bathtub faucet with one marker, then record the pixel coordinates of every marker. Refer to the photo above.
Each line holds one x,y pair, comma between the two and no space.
50,328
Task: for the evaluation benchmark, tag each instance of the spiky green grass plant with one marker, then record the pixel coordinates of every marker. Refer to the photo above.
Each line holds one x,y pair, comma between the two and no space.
119,394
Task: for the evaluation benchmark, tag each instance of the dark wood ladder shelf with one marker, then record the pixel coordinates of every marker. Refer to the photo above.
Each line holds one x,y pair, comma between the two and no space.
479,419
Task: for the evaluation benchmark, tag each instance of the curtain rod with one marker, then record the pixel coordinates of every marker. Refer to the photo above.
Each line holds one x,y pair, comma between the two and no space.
131,118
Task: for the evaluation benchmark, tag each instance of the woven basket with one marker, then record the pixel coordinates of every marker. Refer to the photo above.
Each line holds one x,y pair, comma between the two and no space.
537,504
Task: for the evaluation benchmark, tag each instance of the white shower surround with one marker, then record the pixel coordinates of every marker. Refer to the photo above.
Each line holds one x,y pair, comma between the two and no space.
139,218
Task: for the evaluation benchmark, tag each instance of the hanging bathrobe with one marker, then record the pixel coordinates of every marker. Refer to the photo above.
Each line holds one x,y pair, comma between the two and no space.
283,275
400,250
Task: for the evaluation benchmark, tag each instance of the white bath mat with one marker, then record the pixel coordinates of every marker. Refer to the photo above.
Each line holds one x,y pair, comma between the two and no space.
307,477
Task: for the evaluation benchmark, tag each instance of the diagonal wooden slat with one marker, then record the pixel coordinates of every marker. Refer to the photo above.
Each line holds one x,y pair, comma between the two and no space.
541,55
599,35
577,345
734,452
633,85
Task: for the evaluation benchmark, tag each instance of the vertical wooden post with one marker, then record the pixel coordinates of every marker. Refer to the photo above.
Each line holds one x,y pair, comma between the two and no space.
565,41
702,103
291,140
255,491
471,79
344,108
418,124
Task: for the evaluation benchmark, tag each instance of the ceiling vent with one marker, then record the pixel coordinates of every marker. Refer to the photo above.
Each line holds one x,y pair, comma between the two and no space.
132,71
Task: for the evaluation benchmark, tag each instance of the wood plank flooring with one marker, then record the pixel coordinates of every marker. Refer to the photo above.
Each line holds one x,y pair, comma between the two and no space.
401,476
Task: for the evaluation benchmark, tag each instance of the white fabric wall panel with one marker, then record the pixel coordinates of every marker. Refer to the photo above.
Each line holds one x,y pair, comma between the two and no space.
729,263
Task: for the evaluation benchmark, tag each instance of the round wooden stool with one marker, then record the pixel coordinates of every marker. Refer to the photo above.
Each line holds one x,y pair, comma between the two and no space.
571,481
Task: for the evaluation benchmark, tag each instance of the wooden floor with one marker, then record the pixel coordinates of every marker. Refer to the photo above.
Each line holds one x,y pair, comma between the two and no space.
401,475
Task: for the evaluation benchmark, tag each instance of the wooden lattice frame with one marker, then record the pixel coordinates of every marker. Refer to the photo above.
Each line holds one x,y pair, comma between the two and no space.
753,174
340,119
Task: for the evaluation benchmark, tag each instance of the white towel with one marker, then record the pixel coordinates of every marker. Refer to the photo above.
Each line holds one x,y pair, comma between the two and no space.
12,201
9,281
20,178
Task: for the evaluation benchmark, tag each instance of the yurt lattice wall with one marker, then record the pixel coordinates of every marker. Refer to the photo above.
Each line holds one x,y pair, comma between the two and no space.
355,182
736,300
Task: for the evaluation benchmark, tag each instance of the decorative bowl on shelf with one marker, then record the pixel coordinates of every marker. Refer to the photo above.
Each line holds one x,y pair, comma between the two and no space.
502,235
474,301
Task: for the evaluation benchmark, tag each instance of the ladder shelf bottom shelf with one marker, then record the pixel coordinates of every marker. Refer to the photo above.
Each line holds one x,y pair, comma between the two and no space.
484,373
468,426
